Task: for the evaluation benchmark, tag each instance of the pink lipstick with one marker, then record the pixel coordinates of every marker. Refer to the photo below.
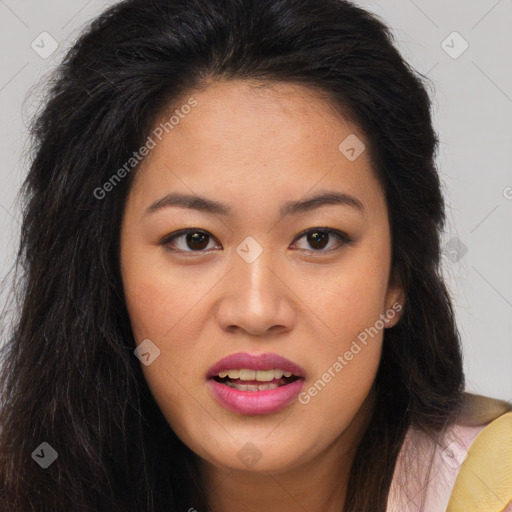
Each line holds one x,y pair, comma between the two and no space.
255,384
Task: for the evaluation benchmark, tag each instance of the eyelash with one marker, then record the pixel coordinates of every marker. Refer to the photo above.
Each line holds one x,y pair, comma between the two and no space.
343,237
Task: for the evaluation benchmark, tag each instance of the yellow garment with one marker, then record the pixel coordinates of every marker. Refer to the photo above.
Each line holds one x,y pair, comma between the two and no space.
484,481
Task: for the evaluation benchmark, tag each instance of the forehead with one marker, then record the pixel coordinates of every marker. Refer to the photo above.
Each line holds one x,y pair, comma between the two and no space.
255,142
249,114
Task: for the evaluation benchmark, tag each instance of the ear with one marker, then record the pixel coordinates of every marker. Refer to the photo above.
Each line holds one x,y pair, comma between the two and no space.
395,299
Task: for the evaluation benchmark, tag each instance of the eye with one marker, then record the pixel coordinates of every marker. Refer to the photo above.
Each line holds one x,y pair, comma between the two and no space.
319,238
196,240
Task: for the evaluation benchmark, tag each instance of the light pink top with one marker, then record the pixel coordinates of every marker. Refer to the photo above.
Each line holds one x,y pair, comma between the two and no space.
408,492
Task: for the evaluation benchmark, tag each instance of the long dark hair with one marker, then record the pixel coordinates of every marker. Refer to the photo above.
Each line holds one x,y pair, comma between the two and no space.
70,377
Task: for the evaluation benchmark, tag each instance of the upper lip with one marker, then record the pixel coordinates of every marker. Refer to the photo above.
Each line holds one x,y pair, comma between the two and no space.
266,361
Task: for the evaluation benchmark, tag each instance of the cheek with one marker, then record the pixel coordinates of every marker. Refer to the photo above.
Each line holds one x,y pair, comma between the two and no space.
344,373
350,306
145,307
157,313
159,303
165,314
351,298
171,323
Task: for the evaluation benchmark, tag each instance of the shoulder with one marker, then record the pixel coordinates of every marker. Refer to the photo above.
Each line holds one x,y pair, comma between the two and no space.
484,482
430,473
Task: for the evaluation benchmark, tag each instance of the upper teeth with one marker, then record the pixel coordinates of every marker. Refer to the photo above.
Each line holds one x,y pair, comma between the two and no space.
261,375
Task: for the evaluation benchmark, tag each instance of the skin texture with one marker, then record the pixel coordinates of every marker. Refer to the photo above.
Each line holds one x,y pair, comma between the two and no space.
255,147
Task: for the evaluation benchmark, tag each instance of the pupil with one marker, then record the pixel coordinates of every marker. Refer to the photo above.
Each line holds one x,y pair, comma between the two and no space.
313,239
197,238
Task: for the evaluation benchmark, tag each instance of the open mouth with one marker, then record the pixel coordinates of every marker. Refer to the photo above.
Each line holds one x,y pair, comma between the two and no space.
255,384
255,380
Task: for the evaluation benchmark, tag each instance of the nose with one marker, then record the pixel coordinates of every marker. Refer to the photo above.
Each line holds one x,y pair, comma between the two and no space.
256,299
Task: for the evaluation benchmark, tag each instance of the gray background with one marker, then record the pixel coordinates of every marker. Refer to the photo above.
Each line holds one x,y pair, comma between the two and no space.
472,102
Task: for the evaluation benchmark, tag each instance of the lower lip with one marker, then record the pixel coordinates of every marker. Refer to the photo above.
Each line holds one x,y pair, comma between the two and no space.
255,402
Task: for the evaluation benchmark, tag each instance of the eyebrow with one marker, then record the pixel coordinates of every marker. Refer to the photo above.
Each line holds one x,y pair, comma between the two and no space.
203,204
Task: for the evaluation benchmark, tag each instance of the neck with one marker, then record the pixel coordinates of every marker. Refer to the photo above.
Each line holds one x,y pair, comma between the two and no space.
319,484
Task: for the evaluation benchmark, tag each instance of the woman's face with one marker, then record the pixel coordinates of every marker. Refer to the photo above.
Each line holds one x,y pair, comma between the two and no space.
256,276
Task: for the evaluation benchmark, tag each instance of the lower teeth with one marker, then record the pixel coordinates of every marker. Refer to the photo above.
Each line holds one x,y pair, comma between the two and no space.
251,387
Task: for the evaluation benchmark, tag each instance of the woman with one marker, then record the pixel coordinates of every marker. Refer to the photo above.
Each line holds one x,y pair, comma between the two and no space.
230,274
